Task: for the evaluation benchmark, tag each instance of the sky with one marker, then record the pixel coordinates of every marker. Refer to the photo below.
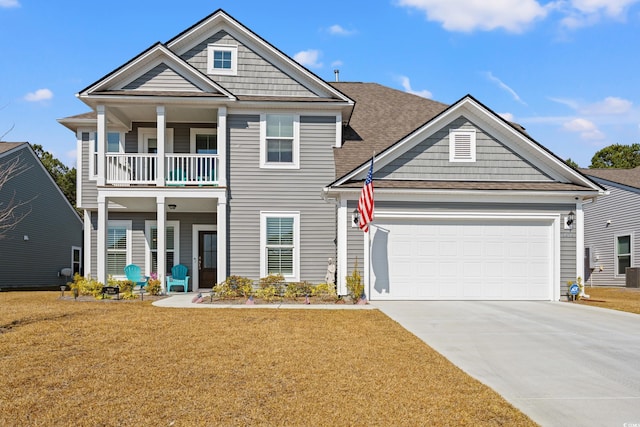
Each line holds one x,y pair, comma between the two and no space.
566,70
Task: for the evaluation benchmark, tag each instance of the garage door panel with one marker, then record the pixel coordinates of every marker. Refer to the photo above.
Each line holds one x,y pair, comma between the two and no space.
464,259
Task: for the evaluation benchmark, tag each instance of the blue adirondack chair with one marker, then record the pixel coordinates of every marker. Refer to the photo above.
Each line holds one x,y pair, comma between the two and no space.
134,274
178,278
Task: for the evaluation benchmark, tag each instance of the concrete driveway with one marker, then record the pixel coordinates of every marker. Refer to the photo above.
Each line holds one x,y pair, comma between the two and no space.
562,364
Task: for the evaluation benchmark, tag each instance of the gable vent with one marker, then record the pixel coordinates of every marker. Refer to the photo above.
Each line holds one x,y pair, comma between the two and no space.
462,145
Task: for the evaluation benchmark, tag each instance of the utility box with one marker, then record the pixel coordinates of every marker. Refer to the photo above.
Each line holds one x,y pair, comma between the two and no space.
632,275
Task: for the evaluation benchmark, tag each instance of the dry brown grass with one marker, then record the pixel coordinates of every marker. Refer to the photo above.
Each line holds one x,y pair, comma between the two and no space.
129,363
623,299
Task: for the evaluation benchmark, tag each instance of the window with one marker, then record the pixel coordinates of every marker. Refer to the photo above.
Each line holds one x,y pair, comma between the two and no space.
118,247
280,239
115,144
623,254
171,241
462,145
222,59
76,260
280,145
204,141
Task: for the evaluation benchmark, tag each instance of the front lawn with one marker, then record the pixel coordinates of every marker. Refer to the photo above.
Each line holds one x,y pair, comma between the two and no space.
128,363
623,299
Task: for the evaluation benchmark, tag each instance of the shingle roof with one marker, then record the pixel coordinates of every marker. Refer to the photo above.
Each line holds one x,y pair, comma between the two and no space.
628,177
8,146
381,117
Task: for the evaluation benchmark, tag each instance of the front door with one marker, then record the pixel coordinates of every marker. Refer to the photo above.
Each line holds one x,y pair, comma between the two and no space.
207,259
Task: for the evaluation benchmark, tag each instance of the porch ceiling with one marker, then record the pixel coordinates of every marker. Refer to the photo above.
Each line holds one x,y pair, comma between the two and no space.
148,204
147,113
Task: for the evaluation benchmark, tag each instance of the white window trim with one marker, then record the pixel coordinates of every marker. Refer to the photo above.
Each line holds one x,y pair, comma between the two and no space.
233,71
295,277
79,249
615,252
93,134
145,133
295,163
148,225
200,131
128,225
453,134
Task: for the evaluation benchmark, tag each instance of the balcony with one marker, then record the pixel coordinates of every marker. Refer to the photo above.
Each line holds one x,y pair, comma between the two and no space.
124,169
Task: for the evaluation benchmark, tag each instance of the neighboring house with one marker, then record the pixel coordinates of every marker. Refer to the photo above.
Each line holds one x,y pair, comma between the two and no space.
612,227
48,236
250,164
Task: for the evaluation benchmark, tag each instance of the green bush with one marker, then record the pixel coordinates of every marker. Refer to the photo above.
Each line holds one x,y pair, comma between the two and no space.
153,287
233,287
355,287
271,287
324,291
297,289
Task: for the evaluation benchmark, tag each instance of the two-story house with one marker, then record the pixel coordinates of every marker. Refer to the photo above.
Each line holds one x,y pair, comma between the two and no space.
218,151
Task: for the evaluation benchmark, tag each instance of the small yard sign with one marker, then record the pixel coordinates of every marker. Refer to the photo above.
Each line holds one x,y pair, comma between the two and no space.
574,289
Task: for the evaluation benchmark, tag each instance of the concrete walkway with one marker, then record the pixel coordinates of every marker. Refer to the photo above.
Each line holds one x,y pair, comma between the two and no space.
183,300
562,364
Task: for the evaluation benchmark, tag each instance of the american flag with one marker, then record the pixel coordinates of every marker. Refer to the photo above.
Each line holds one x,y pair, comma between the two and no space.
365,203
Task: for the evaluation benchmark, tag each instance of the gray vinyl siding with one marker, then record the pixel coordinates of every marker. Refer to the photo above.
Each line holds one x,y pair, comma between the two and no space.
254,190
622,208
181,135
355,245
429,160
161,78
89,192
51,224
255,76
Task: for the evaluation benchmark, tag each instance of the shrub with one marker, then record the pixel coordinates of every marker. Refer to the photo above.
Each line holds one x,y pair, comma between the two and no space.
234,286
87,286
324,291
297,289
153,287
355,287
271,287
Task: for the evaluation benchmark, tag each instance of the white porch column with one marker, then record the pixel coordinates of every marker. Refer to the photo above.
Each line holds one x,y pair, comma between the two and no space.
86,250
222,147
160,134
162,240
342,260
101,244
102,143
579,226
222,239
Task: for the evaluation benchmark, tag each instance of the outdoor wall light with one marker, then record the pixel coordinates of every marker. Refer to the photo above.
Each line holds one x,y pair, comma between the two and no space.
571,218
355,217
172,206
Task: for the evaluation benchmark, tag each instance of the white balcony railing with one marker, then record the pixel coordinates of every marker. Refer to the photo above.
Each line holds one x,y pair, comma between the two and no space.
180,169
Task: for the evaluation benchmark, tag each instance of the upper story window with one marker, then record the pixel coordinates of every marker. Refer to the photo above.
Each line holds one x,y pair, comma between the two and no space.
222,59
204,141
462,145
280,145
115,144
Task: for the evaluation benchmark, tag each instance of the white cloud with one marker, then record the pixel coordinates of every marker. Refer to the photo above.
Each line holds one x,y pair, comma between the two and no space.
581,13
39,95
308,58
9,3
406,84
507,116
470,15
338,30
336,63
503,86
586,128
609,105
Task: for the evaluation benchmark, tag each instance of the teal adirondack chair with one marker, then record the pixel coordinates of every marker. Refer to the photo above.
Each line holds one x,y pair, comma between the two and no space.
134,274
178,278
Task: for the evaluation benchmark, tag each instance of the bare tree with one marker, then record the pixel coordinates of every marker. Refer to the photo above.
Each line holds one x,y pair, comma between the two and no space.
12,211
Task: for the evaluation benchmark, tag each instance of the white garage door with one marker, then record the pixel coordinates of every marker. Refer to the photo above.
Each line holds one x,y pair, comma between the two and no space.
464,259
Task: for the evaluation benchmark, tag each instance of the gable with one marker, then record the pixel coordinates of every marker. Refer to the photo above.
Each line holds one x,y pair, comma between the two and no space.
430,159
255,75
161,78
